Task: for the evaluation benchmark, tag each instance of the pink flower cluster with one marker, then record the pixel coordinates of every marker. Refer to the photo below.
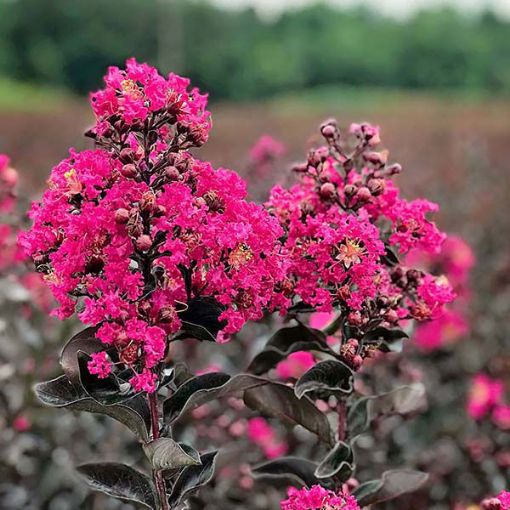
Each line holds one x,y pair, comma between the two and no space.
486,397
343,221
500,502
455,260
139,94
136,231
318,498
261,433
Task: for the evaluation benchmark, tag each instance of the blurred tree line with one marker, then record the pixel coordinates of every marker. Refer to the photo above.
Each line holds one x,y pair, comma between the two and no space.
236,55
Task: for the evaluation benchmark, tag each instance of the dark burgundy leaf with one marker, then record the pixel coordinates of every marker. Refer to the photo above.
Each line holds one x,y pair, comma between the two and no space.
330,376
202,389
132,412
404,401
119,481
279,401
86,342
338,463
300,471
393,484
192,478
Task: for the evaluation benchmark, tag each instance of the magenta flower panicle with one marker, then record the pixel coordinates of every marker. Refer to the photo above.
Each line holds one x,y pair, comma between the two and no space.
318,498
346,227
137,233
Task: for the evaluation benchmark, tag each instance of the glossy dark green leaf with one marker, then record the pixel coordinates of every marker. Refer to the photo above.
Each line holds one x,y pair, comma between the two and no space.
338,463
204,388
192,478
393,484
286,341
299,470
279,401
119,481
403,401
132,412
165,453
330,376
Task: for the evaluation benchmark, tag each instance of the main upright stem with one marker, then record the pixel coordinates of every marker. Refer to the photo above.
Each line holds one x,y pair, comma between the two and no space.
159,481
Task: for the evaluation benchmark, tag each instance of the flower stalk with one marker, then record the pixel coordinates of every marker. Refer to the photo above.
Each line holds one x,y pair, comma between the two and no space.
157,475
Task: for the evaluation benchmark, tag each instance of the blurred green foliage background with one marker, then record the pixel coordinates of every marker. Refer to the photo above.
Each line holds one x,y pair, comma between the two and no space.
238,56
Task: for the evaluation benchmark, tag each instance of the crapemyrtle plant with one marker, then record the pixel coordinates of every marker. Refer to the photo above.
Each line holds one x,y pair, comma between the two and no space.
153,248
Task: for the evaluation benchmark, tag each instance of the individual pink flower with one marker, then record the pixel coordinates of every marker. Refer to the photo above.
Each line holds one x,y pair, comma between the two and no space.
100,365
500,502
318,498
146,381
484,394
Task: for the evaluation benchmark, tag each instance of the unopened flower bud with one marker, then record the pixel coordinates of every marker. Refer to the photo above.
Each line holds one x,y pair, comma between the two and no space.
363,194
394,169
350,189
127,155
376,186
172,173
148,201
327,190
356,362
353,343
329,128
414,276
121,215
129,171
144,242
491,504
120,126
383,301
300,168
322,154
355,319
391,316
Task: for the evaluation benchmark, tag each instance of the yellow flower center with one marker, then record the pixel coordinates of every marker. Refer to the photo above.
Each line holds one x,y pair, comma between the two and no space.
241,255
